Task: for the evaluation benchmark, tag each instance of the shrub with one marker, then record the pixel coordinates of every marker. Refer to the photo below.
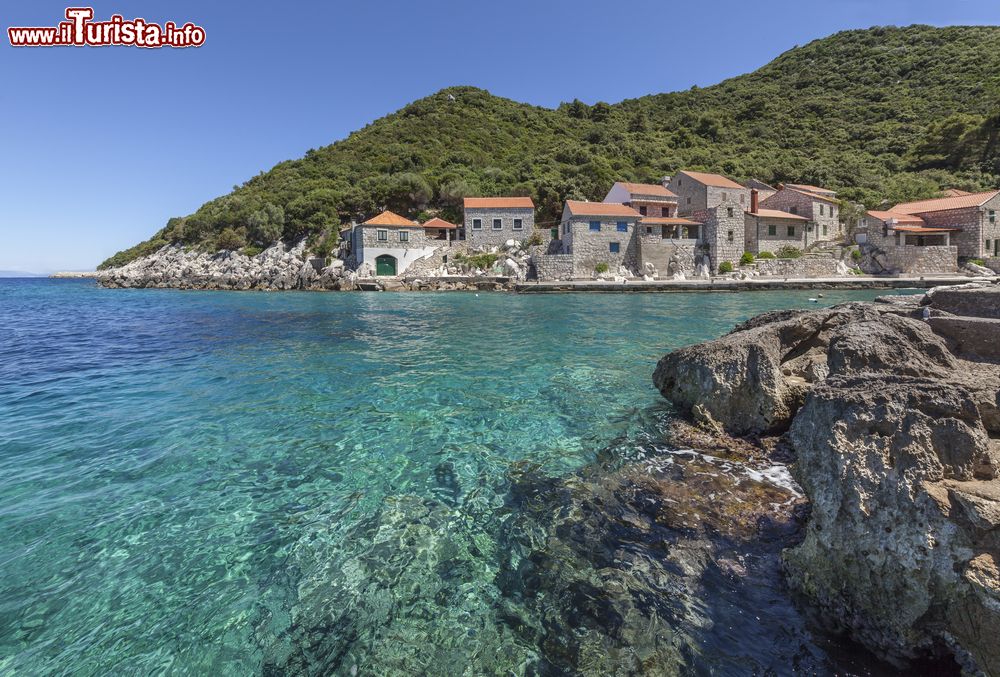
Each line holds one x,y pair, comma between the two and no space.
746,259
601,268
535,240
726,267
765,255
252,250
481,261
230,240
789,252
856,254
978,262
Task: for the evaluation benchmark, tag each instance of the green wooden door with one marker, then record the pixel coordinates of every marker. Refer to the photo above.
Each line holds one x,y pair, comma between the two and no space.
385,265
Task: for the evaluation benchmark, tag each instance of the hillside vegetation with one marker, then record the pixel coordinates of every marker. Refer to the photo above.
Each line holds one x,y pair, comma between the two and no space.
884,114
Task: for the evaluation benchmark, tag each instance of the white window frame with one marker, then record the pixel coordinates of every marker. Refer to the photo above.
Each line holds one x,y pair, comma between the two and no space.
477,224
518,224
382,235
404,236
497,224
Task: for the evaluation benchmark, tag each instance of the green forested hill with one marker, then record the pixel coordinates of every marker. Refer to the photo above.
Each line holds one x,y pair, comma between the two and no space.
879,114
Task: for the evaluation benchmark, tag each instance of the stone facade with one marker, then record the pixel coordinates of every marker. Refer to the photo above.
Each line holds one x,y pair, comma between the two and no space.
668,255
487,235
591,247
553,266
976,225
769,234
723,232
405,244
695,196
822,213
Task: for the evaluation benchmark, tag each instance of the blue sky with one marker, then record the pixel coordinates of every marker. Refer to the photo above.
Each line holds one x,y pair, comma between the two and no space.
100,146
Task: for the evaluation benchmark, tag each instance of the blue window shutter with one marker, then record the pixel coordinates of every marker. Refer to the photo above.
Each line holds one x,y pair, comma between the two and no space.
613,247
595,226
622,227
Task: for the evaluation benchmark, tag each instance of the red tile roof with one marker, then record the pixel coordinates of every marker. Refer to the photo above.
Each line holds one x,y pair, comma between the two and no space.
498,203
776,214
714,180
388,218
814,196
581,208
955,192
945,203
897,216
654,189
439,223
922,230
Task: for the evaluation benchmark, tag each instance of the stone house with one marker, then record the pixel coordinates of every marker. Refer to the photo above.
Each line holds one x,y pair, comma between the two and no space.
903,243
770,230
764,190
649,199
698,191
439,230
390,243
819,206
973,215
491,221
599,232
723,232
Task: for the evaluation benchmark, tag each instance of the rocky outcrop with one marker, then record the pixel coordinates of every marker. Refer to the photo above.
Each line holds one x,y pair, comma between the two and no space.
896,430
276,268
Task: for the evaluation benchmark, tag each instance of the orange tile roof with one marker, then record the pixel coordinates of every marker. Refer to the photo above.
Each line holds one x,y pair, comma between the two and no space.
714,180
670,221
647,189
388,218
922,229
815,196
498,203
897,216
811,189
944,203
955,192
439,223
776,214
581,208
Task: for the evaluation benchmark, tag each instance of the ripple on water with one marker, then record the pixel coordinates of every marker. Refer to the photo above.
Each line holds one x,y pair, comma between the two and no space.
231,483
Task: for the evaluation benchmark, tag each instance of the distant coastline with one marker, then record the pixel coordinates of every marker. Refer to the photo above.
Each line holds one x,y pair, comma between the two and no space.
75,274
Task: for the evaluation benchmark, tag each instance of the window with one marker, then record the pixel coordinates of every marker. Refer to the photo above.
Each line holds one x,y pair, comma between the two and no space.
821,207
622,227
729,212
595,226
993,216
791,231
642,209
689,201
729,236
666,211
383,236
477,224
772,229
518,224
794,210
725,197
742,198
649,230
404,236
824,229
678,181
497,224
613,247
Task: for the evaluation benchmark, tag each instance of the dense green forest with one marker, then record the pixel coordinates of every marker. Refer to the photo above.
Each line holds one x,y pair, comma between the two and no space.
882,115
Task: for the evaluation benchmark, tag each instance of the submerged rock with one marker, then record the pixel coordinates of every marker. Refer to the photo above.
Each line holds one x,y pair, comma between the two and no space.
897,438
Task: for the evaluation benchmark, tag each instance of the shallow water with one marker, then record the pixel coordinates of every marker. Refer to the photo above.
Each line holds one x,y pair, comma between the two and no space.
236,483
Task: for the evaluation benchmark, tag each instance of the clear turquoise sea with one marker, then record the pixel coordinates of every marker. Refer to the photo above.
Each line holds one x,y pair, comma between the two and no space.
183,475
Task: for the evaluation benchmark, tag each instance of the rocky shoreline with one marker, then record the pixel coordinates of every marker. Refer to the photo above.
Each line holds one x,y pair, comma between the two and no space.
892,413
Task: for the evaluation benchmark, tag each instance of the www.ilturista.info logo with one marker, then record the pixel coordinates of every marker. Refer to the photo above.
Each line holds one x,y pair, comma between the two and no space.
80,31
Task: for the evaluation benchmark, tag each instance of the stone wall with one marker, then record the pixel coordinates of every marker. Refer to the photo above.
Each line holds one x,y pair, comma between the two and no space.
759,240
590,248
908,259
798,268
488,236
693,196
654,208
993,263
724,232
669,257
822,214
975,225
553,266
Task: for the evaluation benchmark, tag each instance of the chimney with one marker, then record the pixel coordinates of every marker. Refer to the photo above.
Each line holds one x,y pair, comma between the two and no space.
665,181
754,199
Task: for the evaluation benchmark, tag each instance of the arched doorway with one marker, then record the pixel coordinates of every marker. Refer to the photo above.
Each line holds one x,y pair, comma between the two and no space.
385,265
